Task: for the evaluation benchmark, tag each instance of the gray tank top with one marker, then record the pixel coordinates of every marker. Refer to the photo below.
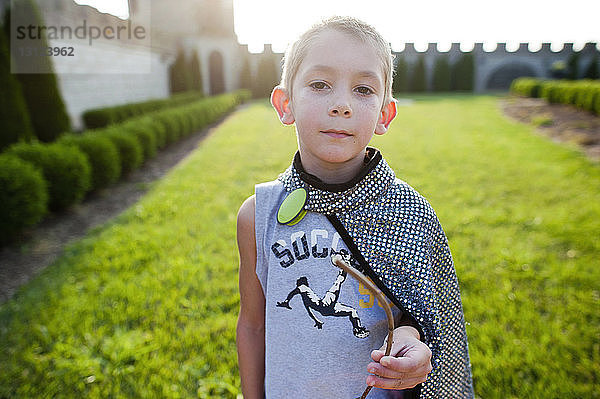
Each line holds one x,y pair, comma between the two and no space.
321,325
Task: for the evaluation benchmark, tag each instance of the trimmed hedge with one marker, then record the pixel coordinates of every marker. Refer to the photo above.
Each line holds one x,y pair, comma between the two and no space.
130,150
102,154
101,117
65,169
528,87
23,196
79,163
142,129
584,94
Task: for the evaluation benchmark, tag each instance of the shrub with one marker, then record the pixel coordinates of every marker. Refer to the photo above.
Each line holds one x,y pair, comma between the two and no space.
145,136
102,155
573,66
245,73
583,94
550,91
195,72
170,125
591,71
40,90
130,150
66,170
92,160
267,76
567,93
441,74
23,196
97,118
590,98
417,81
15,124
102,117
463,72
528,87
400,83
181,80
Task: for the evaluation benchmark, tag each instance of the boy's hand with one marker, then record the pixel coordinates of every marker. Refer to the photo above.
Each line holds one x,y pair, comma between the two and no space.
406,367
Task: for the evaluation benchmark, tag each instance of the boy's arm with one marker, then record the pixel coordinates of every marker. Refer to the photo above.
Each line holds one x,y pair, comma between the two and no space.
250,336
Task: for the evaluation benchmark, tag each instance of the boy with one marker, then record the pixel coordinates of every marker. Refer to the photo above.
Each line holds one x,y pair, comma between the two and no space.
304,328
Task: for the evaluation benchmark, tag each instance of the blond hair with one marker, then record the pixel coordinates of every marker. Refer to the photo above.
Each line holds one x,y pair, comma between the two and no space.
358,29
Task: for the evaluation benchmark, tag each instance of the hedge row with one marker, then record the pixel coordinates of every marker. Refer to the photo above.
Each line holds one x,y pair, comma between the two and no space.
101,117
36,178
584,94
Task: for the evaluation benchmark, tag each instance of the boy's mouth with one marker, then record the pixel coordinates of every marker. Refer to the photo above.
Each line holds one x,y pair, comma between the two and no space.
338,134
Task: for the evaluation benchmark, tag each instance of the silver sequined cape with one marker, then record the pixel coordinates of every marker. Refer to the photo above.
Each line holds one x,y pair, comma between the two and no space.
399,235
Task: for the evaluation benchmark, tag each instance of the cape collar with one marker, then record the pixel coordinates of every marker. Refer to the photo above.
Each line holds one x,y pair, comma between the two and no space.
372,181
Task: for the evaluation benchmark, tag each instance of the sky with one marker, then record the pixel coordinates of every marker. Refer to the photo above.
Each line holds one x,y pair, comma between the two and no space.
419,21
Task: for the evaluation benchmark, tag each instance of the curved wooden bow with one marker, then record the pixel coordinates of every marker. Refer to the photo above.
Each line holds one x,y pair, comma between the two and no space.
338,261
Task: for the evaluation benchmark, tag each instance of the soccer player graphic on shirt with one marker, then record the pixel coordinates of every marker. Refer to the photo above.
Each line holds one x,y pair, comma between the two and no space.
328,305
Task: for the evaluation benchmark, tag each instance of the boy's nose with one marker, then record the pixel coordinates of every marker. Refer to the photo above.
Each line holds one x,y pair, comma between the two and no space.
340,110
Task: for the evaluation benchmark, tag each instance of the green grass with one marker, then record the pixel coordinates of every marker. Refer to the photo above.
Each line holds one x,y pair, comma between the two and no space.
146,305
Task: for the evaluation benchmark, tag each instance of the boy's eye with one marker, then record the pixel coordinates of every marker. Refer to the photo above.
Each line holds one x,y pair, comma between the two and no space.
318,85
364,90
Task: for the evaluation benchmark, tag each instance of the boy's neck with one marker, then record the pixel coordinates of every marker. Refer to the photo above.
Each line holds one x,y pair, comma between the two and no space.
333,173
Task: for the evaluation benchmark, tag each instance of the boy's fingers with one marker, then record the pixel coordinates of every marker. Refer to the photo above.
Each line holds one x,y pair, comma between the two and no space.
405,364
376,355
380,371
391,372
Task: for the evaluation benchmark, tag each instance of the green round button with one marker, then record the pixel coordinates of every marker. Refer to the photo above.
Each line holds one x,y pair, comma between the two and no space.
291,210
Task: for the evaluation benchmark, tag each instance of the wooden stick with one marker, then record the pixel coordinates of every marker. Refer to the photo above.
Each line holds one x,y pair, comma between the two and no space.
338,261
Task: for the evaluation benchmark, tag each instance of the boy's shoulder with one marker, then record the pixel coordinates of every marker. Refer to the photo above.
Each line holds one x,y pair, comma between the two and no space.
268,188
269,184
404,198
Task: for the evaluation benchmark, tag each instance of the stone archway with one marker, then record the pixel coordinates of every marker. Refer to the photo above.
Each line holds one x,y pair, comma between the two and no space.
217,79
502,77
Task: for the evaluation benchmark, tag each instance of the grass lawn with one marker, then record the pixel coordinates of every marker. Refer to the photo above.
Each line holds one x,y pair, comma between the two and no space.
146,305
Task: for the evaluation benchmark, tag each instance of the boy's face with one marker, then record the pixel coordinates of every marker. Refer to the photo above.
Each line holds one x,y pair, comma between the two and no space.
338,93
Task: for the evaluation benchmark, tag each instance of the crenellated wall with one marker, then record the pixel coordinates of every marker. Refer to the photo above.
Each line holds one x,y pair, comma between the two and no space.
494,70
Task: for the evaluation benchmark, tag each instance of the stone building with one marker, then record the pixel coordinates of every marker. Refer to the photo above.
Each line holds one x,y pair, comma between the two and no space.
123,70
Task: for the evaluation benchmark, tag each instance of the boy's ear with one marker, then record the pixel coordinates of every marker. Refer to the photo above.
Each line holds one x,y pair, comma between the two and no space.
281,102
388,113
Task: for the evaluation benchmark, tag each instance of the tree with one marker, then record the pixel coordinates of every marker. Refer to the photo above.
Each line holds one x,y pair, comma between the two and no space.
40,90
592,70
463,72
573,66
441,74
245,73
268,76
195,73
417,82
15,124
400,83
180,77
